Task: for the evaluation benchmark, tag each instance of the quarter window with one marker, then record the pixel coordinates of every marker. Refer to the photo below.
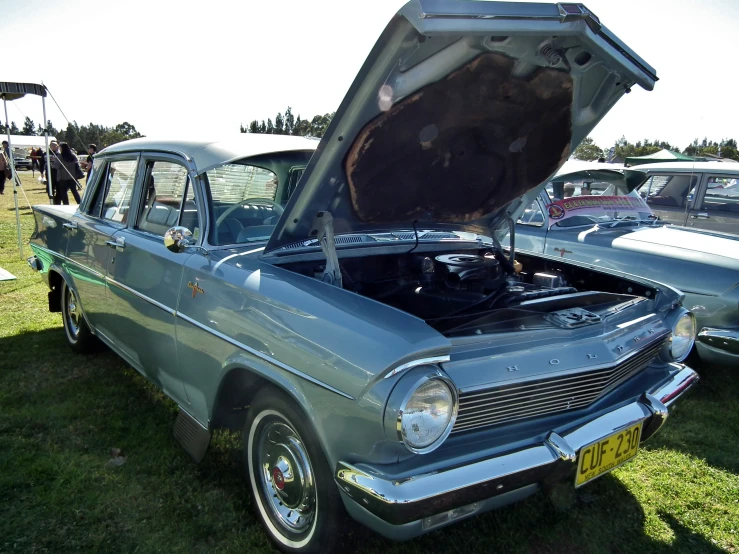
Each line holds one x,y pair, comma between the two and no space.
532,215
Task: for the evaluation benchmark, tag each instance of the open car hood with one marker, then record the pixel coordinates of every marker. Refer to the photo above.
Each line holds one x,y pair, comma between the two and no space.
461,112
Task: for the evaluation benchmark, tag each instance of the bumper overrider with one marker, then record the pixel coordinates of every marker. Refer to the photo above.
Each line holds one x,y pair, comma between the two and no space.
404,509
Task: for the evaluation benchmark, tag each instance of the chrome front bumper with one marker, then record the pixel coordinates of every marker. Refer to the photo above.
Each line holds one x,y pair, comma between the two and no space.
718,345
406,503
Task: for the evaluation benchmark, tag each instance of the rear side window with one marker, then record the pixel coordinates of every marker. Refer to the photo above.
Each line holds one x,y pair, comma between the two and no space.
722,195
668,190
112,197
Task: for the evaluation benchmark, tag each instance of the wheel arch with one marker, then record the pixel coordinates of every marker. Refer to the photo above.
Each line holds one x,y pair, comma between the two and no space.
238,387
56,280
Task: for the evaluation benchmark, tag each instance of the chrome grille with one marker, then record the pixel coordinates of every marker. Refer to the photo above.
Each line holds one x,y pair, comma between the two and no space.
547,396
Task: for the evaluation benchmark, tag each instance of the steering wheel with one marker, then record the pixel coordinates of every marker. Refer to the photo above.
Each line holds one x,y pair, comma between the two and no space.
274,205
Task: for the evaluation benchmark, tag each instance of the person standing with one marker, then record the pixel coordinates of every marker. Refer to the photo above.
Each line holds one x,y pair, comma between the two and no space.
65,170
92,149
53,152
36,160
4,164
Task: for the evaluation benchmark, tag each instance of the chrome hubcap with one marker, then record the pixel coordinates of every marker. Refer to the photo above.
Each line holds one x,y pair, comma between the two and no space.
73,314
286,477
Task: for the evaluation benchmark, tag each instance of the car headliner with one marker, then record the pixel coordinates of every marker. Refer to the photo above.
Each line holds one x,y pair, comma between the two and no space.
207,154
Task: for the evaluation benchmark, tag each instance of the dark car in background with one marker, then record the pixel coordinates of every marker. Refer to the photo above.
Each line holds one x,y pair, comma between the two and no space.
704,195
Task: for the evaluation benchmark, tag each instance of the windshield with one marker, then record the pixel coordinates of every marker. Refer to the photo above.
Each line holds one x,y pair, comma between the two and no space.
587,201
247,197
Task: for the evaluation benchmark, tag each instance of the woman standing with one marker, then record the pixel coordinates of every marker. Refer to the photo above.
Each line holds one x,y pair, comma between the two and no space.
65,166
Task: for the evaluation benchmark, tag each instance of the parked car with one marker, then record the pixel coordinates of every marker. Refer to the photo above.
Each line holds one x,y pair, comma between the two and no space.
21,160
702,195
352,311
704,265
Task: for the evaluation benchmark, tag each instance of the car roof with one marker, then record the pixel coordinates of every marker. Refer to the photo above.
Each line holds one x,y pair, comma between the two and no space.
207,154
721,167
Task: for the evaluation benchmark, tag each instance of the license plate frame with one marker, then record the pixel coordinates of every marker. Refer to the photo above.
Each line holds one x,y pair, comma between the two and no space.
600,448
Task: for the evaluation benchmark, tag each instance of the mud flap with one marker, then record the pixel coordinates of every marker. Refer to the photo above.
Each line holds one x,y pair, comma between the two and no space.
55,301
191,436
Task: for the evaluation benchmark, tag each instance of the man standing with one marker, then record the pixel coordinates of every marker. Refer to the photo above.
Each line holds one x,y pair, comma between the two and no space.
53,155
4,165
91,150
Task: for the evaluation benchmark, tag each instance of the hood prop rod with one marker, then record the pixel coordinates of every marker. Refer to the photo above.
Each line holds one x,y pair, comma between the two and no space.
323,228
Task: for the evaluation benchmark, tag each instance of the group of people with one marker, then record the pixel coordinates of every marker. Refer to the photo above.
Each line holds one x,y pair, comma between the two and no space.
65,171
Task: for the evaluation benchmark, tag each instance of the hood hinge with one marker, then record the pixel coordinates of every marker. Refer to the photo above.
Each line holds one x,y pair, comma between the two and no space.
323,229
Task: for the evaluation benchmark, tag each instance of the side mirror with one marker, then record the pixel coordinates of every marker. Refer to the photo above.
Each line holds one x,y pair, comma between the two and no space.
176,239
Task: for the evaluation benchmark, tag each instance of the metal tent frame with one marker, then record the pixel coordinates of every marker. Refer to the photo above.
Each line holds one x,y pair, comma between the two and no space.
10,92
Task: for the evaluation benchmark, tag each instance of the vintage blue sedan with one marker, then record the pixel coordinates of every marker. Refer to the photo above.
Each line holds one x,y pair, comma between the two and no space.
702,264
348,305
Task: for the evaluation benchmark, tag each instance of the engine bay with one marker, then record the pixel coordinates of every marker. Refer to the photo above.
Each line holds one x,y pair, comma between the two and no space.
480,290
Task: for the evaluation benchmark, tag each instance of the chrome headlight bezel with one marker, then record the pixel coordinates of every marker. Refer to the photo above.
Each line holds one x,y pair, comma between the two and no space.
400,410
681,318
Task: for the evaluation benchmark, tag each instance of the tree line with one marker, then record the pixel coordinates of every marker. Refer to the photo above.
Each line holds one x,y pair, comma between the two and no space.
588,150
78,136
289,124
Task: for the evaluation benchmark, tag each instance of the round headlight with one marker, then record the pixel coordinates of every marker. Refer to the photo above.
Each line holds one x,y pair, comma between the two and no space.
683,337
427,414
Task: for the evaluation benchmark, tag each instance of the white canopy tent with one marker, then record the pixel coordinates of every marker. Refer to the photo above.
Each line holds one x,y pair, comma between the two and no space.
10,92
24,141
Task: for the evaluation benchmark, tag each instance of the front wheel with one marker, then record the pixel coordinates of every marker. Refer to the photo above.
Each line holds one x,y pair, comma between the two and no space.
293,491
75,327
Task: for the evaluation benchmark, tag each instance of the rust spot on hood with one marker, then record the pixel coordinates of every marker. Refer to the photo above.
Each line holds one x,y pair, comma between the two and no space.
460,148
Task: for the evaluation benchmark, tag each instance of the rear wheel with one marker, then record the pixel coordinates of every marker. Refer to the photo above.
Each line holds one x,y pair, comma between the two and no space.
78,333
293,491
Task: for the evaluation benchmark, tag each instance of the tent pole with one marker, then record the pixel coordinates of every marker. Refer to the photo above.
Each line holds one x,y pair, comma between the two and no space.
46,140
15,179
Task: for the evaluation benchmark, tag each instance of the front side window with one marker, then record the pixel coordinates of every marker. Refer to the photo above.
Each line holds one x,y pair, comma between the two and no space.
243,203
165,186
112,197
722,195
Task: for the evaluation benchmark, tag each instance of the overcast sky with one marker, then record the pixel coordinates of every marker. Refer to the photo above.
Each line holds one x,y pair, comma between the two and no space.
180,67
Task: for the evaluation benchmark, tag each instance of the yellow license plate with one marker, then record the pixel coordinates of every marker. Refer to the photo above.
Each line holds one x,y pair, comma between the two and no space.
606,454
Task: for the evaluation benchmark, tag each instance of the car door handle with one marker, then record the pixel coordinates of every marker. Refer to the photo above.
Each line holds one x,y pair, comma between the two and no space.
118,243
700,216
70,225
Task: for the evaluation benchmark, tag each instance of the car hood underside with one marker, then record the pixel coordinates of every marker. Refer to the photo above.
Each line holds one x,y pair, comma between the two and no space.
460,112
462,147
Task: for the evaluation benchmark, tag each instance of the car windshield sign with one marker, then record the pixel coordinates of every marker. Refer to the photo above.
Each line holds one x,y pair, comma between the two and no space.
599,208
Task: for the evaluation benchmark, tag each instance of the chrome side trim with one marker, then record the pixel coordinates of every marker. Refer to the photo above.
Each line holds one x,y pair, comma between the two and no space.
70,260
432,360
721,339
264,357
626,324
200,325
151,301
403,500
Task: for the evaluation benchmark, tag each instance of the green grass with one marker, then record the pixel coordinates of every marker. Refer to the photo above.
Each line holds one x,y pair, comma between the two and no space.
61,414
